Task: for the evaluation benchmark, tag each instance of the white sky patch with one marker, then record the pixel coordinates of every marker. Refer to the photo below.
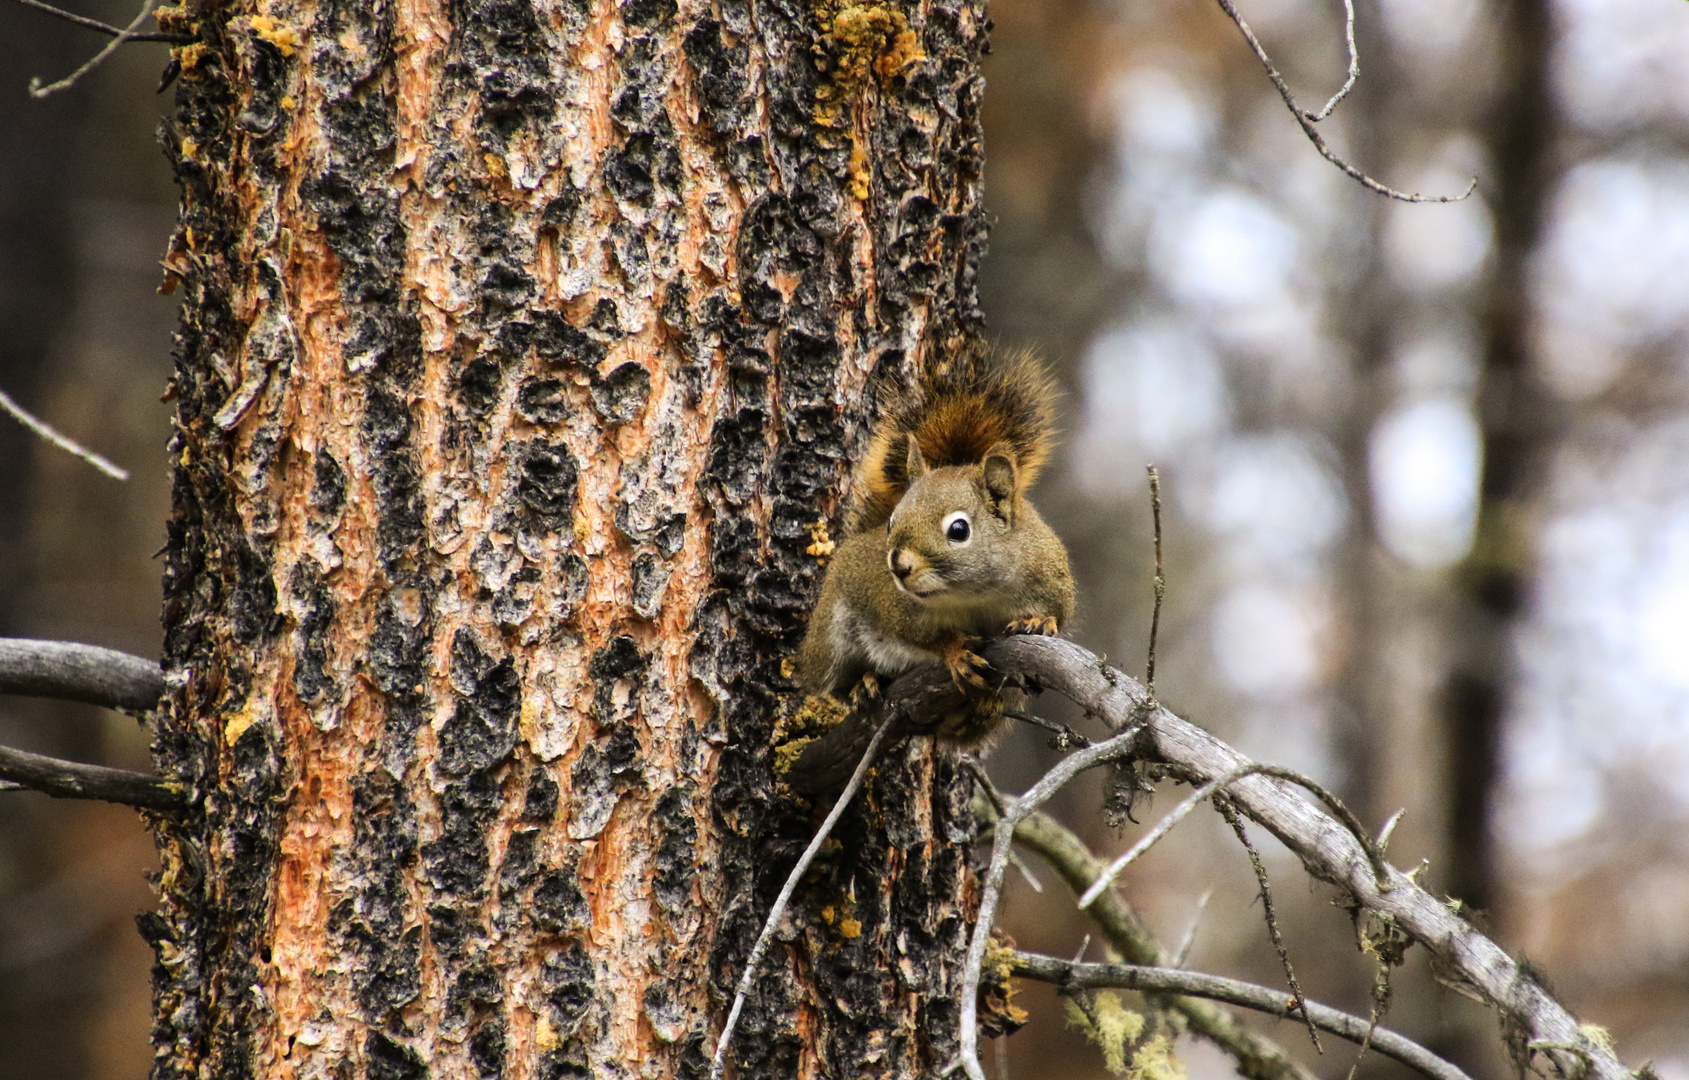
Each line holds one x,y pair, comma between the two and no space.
1150,391
1663,625
1431,27
1156,112
1226,250
1605,683
1437,246
1612,264
1271,496
1267,640
1424,460
1621,62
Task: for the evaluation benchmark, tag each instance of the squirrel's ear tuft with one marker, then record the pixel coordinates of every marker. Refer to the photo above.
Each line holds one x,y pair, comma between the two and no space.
914,465
998,473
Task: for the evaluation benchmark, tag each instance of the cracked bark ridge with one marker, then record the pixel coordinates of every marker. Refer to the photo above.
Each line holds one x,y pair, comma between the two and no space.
523,356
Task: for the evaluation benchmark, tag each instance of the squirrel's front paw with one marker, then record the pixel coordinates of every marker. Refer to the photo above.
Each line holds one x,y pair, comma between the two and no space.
1037,624
865,692
966,667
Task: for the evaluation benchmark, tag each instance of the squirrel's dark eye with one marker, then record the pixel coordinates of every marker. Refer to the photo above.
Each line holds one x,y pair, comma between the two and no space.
957,531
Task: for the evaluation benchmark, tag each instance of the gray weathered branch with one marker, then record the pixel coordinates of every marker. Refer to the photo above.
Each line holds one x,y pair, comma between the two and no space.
1277,1003
1326,848
74,780
63,669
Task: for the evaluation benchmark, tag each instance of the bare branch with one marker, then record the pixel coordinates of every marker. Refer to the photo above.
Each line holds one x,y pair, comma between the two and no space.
103,27
1326,847
1246,995
1354,65
1065,737
1018,810
73,780
1297,998
1306,120
1160,580
72,672
826,762
1149,839
1184,950
1257,1057
36,90
59,439
780,902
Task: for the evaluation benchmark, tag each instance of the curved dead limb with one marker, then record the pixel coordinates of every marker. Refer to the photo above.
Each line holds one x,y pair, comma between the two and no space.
1326,847
1257,1057
73,672
74,780
1247,995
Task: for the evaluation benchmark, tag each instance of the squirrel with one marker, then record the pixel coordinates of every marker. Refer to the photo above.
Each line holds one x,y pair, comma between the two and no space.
943,549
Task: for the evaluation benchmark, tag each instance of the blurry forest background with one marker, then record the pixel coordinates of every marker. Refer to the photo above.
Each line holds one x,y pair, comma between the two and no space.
1426,474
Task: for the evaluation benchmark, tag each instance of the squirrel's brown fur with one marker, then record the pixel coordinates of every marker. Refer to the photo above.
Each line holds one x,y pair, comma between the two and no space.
945,551
956,415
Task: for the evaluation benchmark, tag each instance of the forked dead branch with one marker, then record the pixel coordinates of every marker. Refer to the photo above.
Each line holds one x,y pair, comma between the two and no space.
1330,850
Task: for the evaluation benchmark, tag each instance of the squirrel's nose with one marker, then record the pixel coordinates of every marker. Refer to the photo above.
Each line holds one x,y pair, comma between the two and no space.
902,564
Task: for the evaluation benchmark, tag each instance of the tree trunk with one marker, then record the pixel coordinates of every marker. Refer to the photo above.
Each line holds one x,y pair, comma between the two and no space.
1520,422
522,362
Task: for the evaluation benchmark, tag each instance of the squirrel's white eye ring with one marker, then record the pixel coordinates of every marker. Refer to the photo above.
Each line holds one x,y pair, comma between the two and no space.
957,528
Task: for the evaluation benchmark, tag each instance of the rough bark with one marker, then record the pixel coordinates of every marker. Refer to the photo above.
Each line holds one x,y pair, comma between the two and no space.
523,355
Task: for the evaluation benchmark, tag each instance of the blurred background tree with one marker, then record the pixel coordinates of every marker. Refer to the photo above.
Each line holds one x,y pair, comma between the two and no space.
1328,381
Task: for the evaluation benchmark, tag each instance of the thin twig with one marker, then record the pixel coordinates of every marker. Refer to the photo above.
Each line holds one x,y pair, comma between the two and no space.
1354,64
1304,120
73,672
74,780
1234,992
1389,830
792,879
1052,782
1160,582
58,439
36,90
1228,812
104,27
1079,953
1182,953
1067,737
1380,1006
1374,852
1150,838
1025,871
1125,933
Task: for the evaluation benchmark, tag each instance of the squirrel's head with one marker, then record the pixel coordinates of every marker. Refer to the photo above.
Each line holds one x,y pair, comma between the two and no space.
948,534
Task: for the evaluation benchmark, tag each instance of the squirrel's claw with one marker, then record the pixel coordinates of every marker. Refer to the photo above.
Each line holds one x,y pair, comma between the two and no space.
966,667
1037,624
